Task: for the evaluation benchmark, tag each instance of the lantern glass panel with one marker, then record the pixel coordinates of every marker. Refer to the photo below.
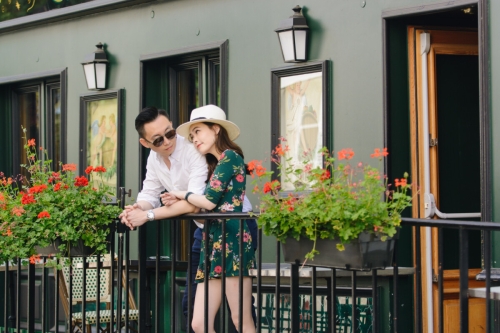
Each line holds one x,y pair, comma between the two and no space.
90,75
286,40
100,70
300,44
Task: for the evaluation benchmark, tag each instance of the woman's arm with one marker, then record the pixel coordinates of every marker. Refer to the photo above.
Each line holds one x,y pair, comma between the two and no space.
194,199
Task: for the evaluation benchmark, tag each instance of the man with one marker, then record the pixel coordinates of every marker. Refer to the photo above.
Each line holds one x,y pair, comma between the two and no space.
173,164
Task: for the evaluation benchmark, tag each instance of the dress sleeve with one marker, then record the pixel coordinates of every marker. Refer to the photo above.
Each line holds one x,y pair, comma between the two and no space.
230,165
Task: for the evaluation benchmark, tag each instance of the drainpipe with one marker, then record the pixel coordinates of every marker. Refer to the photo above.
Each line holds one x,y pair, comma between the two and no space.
425,45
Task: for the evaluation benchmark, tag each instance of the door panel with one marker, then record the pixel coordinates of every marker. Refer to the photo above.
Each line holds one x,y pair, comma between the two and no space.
452,108
458,148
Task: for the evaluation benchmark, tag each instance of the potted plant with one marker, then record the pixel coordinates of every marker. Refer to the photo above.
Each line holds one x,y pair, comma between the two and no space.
338,215
48,208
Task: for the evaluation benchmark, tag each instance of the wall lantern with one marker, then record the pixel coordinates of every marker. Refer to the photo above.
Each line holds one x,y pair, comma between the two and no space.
95,66
293,35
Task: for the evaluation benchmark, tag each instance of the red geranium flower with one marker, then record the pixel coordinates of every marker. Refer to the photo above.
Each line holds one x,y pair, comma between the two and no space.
37,188
69,167
99,169
27,199
81,181
43,214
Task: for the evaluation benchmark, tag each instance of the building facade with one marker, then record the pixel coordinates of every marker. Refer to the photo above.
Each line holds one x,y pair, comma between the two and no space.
401,74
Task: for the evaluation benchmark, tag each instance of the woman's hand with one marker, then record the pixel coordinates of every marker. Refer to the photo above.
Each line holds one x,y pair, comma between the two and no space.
168,199
177,194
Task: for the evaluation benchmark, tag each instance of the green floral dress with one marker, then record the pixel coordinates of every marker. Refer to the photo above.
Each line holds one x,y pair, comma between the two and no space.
226,189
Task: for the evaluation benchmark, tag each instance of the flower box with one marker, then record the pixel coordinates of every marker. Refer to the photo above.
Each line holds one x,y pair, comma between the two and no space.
77,250
353,206
366,253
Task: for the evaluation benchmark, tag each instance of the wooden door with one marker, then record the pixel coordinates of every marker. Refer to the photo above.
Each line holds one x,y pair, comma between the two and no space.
444,95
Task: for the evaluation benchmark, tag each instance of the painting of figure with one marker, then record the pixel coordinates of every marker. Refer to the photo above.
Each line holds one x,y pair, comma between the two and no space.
301,119
102,137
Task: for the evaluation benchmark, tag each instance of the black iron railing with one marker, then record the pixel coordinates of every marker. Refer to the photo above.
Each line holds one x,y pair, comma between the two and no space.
145,293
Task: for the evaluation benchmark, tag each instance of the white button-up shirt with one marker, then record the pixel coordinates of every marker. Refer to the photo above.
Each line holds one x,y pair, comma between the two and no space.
188,172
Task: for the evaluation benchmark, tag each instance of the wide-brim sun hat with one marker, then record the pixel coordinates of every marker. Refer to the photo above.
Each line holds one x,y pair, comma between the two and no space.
209,114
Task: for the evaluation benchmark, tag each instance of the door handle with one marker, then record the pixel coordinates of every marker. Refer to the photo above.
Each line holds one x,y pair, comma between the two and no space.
431,210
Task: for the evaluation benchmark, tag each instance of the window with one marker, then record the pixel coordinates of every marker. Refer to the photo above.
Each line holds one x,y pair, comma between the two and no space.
194,81
36,107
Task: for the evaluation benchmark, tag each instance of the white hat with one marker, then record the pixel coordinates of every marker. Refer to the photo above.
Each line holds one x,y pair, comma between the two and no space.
210,114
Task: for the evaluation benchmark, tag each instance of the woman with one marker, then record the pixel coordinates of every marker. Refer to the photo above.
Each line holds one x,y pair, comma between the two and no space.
213,136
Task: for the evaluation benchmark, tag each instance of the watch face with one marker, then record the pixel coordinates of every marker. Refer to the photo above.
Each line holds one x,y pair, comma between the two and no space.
151,215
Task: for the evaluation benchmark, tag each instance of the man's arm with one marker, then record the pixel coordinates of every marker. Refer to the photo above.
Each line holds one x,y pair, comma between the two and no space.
137,217
148,198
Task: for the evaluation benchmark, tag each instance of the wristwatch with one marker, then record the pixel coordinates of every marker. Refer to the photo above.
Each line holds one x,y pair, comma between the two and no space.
151,215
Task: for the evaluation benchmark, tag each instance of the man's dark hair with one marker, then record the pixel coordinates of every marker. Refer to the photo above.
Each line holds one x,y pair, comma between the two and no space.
147,115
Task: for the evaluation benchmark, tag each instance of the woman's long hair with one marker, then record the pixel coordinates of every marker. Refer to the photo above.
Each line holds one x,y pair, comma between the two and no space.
222,142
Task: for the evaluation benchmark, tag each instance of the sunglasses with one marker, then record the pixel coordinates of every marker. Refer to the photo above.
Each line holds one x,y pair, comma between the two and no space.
159,140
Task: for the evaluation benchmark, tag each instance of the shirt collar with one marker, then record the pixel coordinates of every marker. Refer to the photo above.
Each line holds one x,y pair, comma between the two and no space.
179,146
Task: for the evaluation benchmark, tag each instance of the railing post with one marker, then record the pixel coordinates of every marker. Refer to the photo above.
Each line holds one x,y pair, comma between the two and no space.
487,267
6,298
31,300
259,280
375,309
313,299
277,294
223,282
119,286
144,316
464,279
173,258
333,302
395,279
354,317
18,296
157,276
240,278
206,273
440,280
294,296
418,282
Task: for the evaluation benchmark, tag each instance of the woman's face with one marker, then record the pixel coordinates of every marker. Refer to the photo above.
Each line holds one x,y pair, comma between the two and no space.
203,137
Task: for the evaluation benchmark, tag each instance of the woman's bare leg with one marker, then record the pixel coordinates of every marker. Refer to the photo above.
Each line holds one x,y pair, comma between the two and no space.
214,300
233,297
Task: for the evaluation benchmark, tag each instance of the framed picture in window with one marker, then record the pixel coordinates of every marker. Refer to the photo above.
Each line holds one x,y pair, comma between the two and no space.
300,108
101,135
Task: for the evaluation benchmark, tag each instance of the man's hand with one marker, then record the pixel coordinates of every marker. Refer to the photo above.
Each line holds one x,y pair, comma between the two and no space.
130,216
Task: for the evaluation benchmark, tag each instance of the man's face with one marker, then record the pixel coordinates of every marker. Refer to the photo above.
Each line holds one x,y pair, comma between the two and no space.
157,129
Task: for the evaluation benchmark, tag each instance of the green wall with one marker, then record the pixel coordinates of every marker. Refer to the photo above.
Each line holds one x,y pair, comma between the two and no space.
494,52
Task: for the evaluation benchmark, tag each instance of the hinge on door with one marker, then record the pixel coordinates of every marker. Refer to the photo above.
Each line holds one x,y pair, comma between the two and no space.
433,142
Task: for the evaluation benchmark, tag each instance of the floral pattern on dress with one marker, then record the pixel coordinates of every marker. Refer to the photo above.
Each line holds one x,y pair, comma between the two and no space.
226,189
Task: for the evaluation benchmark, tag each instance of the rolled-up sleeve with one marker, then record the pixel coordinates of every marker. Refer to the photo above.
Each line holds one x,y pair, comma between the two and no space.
151,187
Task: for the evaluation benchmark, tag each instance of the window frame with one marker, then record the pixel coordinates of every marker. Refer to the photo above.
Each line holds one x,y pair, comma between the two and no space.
41,80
